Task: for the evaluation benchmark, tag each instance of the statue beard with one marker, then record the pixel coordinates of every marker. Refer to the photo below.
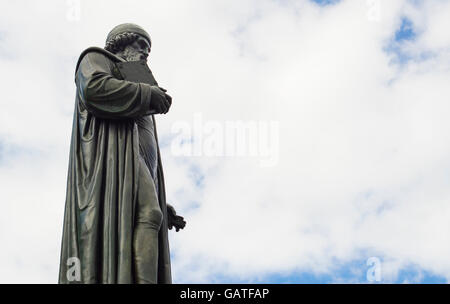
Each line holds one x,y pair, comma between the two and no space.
131,54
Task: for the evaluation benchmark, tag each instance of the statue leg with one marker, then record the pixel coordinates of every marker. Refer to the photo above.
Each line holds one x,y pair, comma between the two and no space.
148,221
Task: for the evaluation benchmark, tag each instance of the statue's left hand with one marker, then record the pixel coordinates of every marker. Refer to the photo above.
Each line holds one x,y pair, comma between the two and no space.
168,97
174,220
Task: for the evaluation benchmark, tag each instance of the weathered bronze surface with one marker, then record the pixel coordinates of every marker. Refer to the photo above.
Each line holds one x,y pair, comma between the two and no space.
116,217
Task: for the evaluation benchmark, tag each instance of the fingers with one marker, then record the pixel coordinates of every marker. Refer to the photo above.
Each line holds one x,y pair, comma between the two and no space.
168,98
175,220
164,108
179,222
163,105
159,108
158,100
167,104
164,100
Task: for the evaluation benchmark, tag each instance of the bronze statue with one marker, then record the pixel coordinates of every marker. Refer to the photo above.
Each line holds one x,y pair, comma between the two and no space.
116,217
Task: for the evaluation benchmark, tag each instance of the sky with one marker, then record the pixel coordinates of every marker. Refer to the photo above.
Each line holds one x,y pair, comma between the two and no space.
308,141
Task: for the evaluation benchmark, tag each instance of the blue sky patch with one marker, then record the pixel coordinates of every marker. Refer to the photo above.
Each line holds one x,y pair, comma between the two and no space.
406,31
403,34
352,272
196,175
325,2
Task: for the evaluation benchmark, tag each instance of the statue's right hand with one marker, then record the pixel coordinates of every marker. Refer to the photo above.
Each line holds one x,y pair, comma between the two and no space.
159,102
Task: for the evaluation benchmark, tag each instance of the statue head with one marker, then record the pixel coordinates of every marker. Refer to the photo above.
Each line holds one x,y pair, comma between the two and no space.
129,41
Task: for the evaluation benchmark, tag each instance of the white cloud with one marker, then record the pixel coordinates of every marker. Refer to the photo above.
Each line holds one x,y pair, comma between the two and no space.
363,142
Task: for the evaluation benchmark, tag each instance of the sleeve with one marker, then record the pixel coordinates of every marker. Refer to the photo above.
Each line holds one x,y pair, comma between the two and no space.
106,96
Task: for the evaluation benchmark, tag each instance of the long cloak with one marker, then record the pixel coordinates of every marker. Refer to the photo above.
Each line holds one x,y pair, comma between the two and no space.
103,176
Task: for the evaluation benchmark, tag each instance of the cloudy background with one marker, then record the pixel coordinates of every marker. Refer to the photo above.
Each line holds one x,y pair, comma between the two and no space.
358,96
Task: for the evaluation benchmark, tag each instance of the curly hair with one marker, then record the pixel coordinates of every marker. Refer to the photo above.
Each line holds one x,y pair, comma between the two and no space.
120,41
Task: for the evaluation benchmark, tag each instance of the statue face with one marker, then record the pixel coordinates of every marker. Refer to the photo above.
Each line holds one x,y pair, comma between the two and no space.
142,46
138,50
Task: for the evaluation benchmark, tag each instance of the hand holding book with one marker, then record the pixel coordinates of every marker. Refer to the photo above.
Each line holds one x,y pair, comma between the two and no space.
160,101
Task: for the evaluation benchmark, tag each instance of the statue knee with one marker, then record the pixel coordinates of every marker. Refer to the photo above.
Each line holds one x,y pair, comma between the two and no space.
153,219
156,217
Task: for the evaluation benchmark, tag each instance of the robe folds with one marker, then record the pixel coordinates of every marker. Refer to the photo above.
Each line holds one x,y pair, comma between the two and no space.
102,180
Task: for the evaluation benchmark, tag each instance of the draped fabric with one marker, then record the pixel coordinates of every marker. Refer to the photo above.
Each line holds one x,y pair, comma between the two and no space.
103,175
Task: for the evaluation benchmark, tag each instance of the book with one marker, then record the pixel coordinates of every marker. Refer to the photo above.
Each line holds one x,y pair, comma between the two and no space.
136,71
